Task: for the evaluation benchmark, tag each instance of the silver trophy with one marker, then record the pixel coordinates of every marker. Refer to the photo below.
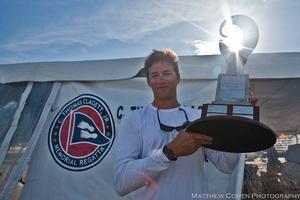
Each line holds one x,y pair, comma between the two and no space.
231,120
239,38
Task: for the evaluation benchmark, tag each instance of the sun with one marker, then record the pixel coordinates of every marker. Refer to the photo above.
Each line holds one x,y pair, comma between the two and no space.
233,37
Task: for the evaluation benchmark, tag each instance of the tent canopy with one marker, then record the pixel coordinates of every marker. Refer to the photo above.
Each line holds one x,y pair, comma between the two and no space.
258,66
33,93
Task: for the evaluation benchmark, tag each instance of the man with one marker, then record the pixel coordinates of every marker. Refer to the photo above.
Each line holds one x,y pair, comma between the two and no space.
155,156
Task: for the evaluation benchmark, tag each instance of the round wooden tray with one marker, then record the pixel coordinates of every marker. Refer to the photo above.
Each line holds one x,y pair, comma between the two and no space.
234,134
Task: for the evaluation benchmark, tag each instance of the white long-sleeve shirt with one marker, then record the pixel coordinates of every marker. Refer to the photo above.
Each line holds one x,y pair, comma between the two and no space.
141,166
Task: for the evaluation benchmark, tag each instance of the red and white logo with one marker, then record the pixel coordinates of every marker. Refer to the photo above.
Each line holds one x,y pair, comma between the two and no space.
82,133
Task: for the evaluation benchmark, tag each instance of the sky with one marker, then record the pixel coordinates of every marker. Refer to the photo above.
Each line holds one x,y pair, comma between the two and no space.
73,30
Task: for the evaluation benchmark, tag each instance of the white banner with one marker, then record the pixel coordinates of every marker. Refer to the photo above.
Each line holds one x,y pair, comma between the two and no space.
74,156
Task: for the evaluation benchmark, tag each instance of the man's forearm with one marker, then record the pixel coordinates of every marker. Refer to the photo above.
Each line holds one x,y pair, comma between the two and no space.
131,174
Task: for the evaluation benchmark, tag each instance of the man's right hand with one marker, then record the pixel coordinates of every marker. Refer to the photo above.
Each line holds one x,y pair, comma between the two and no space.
186,143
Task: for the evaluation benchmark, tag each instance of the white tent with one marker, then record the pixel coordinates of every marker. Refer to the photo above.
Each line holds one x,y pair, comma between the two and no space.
36,99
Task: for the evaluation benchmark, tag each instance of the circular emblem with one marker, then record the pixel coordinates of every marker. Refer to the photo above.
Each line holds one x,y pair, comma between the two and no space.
82,133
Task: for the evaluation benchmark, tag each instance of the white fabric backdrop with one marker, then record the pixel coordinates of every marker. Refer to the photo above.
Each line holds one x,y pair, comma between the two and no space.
47,179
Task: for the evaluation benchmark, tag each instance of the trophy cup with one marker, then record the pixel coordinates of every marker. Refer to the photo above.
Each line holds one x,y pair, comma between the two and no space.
231,119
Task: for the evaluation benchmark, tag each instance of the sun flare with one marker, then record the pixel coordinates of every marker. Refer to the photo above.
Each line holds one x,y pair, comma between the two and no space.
233,37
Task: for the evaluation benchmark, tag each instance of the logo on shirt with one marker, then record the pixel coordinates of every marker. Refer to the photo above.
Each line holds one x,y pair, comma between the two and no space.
82,133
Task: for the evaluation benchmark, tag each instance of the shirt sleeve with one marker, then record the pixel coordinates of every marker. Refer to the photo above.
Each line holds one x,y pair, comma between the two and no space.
131,171
224,161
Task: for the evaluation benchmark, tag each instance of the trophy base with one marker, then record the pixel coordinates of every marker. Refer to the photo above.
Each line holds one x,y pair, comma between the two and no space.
242,110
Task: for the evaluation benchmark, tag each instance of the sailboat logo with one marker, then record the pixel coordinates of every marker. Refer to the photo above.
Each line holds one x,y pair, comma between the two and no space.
82,133
85,130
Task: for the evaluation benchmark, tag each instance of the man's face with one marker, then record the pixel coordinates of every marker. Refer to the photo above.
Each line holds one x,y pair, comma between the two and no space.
163,80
